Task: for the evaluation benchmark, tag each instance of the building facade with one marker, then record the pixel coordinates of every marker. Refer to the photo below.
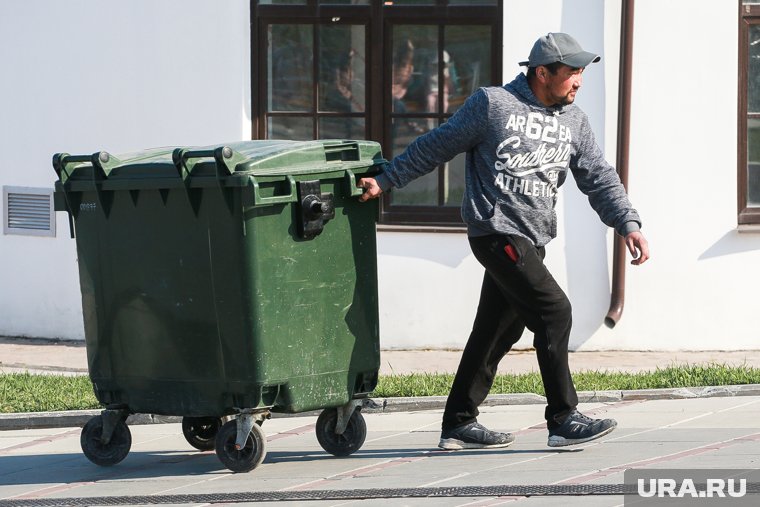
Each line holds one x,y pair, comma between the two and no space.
89,76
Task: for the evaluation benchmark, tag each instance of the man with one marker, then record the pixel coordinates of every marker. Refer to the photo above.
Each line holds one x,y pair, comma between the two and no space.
520,140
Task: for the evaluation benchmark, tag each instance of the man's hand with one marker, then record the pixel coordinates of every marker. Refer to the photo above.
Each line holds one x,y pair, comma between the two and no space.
638,247
372,189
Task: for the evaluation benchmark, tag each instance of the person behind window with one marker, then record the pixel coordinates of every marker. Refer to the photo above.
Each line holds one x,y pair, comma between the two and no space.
521,140
340,96
401,79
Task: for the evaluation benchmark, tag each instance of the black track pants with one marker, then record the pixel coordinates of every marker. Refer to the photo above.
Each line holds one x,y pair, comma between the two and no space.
515,294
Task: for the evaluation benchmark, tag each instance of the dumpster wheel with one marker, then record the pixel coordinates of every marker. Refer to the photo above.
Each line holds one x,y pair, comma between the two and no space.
345,443
200,432
110,453
245,459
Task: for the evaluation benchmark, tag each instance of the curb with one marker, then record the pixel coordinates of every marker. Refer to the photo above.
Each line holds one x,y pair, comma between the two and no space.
78,418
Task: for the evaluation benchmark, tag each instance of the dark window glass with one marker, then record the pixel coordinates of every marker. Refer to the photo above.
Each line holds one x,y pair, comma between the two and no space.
753,162
342,128
289,127
749,129
467,60
435,68
342,68
290,80
753,81
453,181
389,3
424,190
415,49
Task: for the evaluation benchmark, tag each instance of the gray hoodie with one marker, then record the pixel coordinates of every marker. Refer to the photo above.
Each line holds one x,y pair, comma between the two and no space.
518,154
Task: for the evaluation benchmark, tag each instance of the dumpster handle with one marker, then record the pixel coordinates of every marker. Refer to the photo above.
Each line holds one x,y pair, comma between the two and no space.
102,164
225,157
342,152
353,190
258,200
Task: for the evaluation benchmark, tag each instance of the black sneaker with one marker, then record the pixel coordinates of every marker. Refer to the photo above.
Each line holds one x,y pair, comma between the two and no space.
473,436
578,428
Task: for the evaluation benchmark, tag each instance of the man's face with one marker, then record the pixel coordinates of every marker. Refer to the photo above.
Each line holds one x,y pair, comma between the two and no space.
560,88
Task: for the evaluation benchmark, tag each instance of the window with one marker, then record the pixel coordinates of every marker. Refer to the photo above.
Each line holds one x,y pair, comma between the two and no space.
386,70
434,68
315,81
749,114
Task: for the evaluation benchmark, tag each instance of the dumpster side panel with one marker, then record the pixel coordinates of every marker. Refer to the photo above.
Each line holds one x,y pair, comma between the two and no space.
315,303
157,324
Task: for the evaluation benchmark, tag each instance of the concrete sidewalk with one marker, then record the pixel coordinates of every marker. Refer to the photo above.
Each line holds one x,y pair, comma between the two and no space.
671,428
50,356
399,461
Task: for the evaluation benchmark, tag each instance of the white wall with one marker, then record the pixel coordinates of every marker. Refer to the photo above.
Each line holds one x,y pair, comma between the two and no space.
699,290
86,75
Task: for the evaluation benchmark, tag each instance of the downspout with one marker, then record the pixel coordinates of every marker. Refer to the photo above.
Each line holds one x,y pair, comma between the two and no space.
617,296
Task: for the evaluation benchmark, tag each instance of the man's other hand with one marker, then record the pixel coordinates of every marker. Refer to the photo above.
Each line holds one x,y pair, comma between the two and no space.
638,247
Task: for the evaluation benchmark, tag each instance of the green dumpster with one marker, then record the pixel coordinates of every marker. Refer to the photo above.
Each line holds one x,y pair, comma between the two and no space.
224,283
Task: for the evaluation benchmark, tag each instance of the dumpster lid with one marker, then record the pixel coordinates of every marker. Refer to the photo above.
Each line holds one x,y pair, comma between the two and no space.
264,157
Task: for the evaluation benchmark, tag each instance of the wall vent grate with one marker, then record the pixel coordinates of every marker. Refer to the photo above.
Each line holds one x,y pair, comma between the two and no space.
28,211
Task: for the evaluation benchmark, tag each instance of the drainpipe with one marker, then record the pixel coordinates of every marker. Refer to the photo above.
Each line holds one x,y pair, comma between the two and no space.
617,296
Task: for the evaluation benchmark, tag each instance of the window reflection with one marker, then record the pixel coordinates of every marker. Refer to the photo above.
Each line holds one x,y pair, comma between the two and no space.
342,68
453,181
432,76
468,62
464,66
290,77
408,2
414,48
753,162
342,128
288,127
753,81
424,190
345,2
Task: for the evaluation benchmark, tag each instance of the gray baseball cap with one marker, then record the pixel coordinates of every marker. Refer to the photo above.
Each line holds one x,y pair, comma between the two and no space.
559,47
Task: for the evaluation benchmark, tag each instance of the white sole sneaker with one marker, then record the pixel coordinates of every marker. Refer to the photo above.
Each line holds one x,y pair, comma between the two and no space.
558,441
452,444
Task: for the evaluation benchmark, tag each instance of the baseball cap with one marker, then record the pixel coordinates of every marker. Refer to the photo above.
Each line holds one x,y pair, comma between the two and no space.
559,47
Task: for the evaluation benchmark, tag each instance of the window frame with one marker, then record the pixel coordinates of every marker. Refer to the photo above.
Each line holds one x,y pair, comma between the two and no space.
259,83
379,20
749,15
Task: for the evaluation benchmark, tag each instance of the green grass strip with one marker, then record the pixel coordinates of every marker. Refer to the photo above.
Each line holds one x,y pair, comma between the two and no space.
428,384
24,392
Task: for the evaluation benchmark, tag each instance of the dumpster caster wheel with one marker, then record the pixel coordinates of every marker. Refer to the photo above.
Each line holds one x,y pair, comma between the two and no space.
200,432
105,454
240,460
341,445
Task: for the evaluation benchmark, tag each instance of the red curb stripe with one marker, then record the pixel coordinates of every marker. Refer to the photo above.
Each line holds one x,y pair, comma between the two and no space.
292,433
605,472
40,441
355,472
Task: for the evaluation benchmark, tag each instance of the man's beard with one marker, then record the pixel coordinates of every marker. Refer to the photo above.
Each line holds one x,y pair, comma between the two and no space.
566,100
